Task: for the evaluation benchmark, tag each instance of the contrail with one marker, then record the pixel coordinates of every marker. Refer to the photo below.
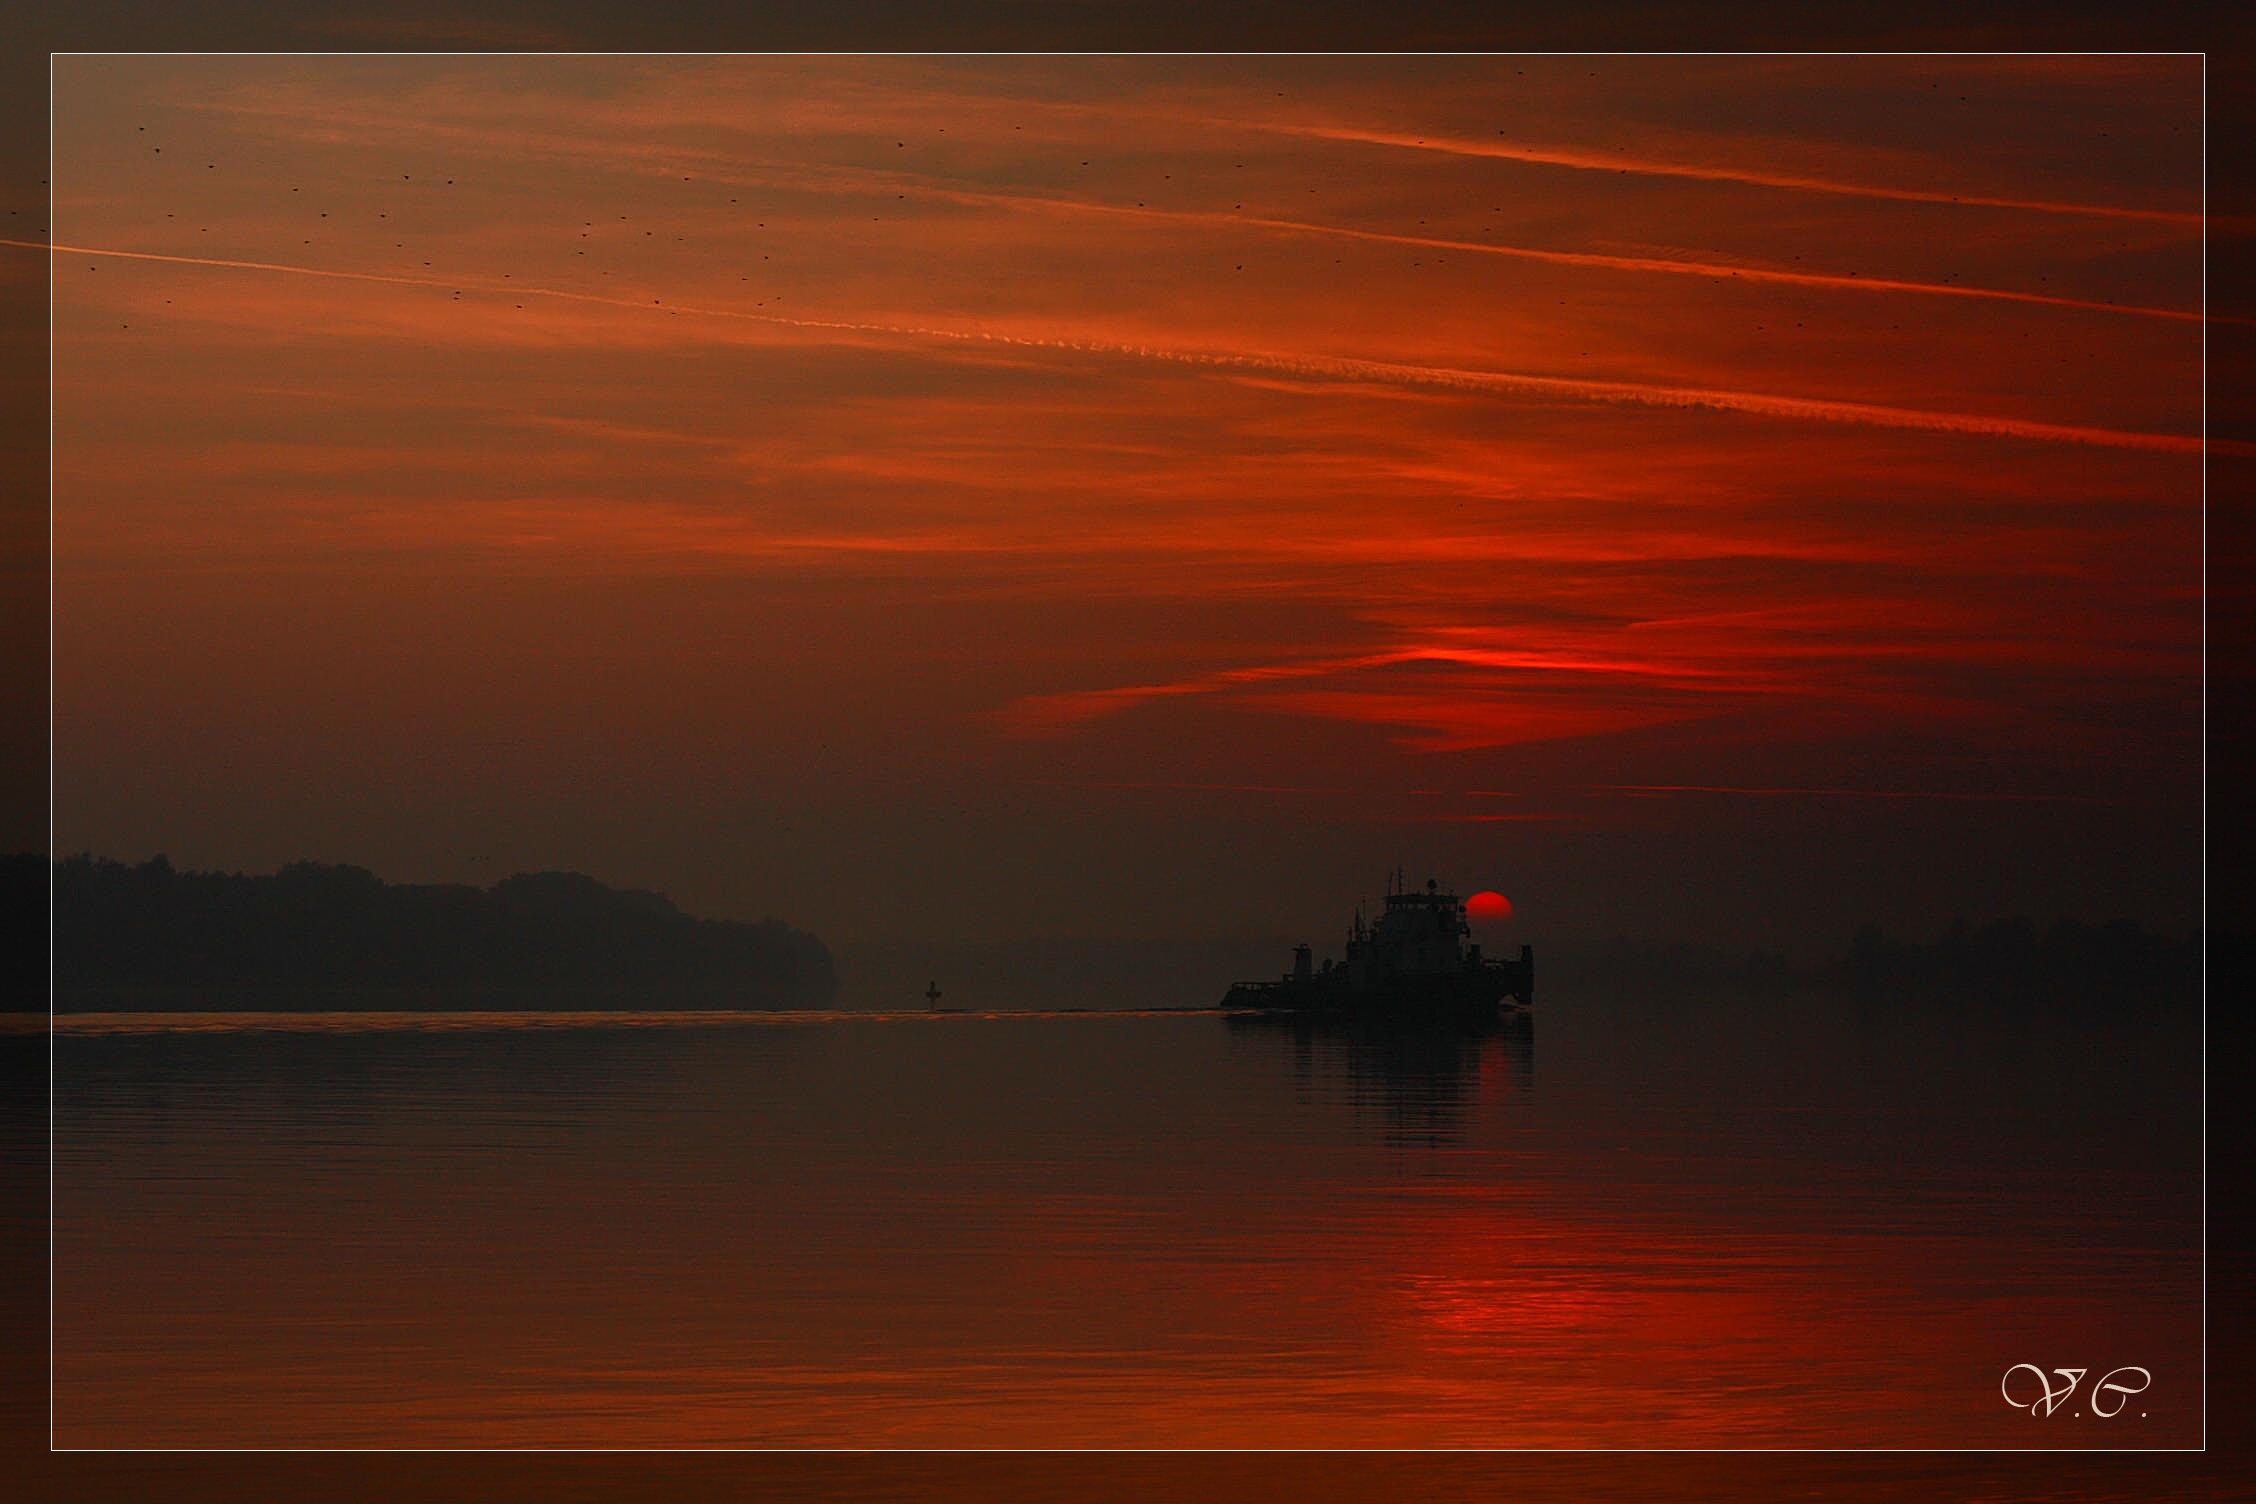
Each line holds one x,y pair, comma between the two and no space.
721,167
1307,367
1710,788
1595,161
1582,158
1710,270
1722,271
922,186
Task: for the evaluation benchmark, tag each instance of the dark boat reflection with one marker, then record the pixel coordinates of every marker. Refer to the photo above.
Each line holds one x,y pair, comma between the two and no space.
1421,1080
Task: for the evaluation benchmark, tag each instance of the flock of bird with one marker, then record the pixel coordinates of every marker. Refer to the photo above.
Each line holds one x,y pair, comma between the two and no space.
598,241
586,230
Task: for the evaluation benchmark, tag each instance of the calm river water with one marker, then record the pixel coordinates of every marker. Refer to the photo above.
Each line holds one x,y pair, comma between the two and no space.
1704,1222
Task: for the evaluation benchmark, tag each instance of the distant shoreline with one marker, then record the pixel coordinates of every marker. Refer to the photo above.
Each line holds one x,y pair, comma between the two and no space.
286,998
315,937
334,1022
153,938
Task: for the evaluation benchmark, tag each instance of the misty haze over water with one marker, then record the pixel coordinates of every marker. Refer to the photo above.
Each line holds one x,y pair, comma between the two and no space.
1689,1217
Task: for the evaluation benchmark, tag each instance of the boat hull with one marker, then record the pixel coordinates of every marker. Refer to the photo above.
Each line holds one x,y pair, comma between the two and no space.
1481,990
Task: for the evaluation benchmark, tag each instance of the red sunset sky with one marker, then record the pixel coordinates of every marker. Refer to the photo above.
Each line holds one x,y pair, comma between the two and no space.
1048,496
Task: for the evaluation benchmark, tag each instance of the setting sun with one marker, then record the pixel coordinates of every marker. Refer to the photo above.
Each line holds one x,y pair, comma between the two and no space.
1488,906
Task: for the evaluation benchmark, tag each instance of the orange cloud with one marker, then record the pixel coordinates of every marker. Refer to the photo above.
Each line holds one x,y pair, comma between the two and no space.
999,423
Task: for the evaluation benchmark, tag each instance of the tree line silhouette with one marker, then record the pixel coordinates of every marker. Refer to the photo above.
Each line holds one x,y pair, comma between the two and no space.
316,934
136,935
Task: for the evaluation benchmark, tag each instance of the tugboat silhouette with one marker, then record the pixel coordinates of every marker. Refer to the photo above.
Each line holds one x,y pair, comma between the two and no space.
1413,964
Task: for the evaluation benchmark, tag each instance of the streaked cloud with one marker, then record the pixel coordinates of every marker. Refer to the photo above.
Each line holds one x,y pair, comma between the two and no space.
881,434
